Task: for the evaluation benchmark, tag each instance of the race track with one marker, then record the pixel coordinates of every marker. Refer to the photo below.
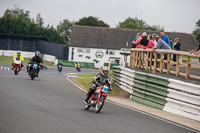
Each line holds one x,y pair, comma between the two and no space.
51,104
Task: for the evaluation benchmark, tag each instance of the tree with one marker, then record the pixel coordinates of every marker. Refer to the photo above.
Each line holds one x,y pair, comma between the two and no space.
139,24
91,21
18,22
64,28
39,20
196,32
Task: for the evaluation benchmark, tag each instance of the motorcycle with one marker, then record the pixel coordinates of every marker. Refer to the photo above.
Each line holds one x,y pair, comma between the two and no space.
97,99
78,68
17,65
60,68
34,70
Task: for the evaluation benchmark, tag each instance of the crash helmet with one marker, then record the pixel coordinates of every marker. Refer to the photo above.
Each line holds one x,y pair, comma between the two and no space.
37,54
105,71
18,52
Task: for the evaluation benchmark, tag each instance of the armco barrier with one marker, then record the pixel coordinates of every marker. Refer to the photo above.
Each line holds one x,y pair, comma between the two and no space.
162,93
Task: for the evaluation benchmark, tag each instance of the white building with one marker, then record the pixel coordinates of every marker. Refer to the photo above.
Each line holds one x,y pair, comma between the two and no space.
96,45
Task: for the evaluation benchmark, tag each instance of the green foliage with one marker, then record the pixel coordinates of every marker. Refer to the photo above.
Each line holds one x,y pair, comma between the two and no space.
17,21
139,24
91,21
196,32
65,28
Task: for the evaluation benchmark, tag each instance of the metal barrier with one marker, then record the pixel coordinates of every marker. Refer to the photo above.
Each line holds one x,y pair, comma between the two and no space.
162,93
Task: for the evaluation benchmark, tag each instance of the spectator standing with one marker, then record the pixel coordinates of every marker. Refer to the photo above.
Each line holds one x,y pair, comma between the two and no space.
150,43
144,40
176,46
137,42
171,43
164,37
161,45
154,40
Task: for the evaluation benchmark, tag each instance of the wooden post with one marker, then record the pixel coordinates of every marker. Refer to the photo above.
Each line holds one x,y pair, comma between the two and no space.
161,62
139,66
109,64
155,61
136,60
147,61
187,68
177,65
131,59
168,63
150,63
143,59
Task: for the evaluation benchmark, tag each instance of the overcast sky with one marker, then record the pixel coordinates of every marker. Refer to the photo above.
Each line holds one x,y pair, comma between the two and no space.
174,15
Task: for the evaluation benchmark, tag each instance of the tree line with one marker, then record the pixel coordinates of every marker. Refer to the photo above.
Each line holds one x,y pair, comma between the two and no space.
18,22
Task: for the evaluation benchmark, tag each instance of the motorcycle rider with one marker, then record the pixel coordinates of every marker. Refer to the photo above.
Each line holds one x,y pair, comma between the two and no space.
99,80
36,59
18,55
59,64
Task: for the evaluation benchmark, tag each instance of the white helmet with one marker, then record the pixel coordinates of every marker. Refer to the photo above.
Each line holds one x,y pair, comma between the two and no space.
18,52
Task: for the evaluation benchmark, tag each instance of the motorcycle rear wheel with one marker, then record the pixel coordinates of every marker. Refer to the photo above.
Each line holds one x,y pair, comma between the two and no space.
99,106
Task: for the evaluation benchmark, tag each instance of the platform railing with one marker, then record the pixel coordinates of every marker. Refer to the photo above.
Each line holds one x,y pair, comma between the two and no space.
143,58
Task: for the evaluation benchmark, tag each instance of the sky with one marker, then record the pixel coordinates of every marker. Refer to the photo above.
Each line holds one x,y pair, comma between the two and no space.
174,15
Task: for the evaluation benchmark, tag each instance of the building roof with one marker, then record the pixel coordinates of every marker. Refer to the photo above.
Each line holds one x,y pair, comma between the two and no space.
115,38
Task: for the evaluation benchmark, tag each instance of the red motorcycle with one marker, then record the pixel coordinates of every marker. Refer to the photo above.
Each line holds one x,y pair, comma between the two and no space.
78,68
17,65
97,99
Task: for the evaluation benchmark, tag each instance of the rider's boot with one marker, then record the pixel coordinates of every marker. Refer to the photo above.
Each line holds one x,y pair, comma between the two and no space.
90,92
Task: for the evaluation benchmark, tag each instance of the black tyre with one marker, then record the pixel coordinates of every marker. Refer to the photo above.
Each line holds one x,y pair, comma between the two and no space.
99,106
16,73
32,75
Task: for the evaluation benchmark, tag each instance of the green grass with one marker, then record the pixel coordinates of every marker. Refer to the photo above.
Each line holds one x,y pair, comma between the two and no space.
8,60
184,56
86,82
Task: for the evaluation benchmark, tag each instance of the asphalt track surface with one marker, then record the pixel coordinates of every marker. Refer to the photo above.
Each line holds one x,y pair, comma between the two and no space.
51,104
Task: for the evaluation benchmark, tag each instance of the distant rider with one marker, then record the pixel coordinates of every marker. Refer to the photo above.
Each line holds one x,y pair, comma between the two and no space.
36,59
18,55
99,79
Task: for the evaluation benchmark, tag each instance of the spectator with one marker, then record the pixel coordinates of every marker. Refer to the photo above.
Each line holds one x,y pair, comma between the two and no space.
136,38
136,44
161,45
196,51
133,42
171,43
150,43
154,40
144,40
164,37
176,46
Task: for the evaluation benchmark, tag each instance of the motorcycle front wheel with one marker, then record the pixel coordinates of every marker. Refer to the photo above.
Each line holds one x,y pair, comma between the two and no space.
99,106
16,71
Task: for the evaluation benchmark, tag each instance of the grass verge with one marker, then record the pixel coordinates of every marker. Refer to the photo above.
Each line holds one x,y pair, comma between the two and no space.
85,83
8,60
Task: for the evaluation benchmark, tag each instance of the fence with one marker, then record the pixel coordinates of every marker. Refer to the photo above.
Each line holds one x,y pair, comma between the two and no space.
139,60
32,44
162,93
